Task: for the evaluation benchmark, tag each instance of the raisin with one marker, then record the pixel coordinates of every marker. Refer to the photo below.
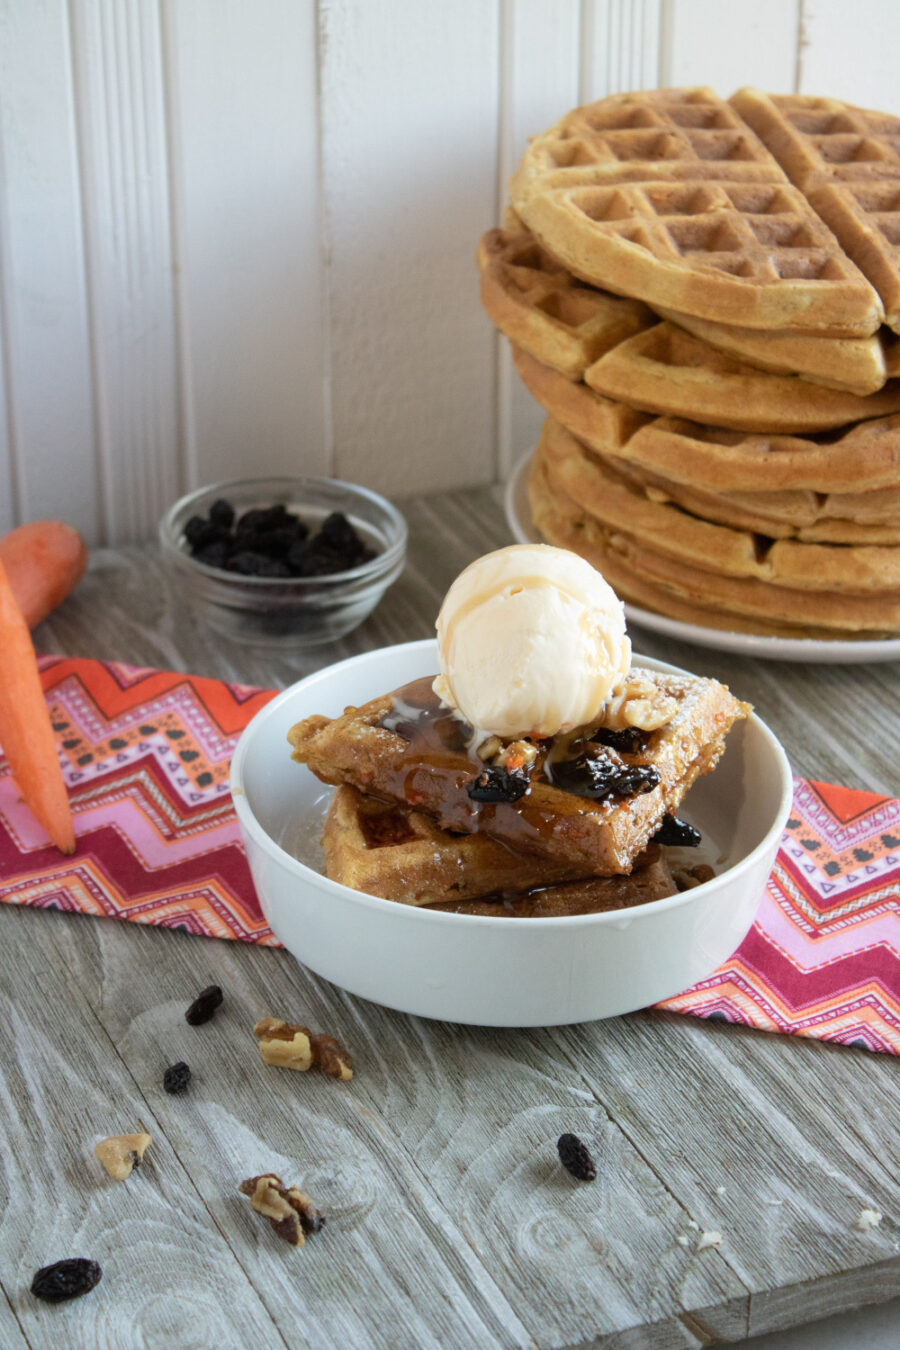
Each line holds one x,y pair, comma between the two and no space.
268,518
575,1158
204,1005
630,741
214,554
636,780
201,533
677,832
176,1077
339,534
248,564
498,785
66,1279
222,513
588,775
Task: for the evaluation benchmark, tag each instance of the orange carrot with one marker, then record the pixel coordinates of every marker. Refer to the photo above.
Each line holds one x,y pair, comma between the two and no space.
44,561
26,735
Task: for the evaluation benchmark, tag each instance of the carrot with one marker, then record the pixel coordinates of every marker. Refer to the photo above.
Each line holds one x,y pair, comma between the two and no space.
26,735
44,561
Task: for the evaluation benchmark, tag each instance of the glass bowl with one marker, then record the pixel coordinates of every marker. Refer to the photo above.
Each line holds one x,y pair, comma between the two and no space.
288,611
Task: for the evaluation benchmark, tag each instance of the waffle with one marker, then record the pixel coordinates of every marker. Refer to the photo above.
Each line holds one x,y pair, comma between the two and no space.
847,162
665,370
567,324
836,518
617,503
856,365
691,594
390,851
670,197
403,747
542,308
861,458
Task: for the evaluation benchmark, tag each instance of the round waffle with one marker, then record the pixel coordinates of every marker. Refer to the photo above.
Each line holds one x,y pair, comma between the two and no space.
618,503
861,458
669,196
690,594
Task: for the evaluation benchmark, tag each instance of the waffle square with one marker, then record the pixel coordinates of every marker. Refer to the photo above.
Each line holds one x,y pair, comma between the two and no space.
669,196
596,837
387,850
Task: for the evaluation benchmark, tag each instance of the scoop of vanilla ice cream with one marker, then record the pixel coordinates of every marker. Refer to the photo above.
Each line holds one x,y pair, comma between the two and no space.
531,640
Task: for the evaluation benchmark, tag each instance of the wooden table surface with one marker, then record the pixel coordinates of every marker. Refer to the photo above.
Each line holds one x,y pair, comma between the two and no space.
450,1221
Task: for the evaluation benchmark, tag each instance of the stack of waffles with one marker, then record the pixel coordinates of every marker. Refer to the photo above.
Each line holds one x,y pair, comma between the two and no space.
705,298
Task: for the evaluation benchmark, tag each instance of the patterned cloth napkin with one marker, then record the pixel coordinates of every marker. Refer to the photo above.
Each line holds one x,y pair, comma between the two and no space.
146,757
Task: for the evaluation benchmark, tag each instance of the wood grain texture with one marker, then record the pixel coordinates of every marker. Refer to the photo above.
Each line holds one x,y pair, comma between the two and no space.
450,1222
64,1087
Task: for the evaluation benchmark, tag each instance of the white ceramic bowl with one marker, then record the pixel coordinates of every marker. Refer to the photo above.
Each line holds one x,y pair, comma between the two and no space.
485,971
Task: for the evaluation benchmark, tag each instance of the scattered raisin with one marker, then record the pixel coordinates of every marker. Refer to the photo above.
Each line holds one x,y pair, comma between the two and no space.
496,784
204,1005
677,832
575,1158
66,1279
176,1077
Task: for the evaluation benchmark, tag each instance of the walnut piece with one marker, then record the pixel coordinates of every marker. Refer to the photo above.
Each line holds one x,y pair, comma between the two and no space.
283,1044
332,1057
292,1046
638,703
121,1153
290,1211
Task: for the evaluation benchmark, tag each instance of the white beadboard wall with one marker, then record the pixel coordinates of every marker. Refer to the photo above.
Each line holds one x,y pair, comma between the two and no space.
237,236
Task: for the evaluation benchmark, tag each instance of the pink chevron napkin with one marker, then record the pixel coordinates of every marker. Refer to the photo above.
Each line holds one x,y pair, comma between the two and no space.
146,755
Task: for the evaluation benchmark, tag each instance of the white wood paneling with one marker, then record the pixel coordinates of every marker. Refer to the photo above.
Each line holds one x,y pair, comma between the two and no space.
729,43
409,108
619,47
539,80
242,83
124,171
849,51
47,460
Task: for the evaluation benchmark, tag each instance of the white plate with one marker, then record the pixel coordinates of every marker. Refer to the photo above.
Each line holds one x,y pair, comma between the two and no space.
518,516
496,971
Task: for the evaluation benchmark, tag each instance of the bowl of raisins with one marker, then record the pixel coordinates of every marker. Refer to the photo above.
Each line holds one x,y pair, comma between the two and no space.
284,561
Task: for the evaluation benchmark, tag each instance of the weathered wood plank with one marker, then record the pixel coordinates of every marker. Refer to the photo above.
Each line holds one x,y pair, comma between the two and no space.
63,1088
448,1132
437,1161
762,1138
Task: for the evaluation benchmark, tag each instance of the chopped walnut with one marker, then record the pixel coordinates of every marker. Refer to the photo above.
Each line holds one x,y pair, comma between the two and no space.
121,1153
686,878
295,1047
332,1057
289,1210
516,755
639,703
283,1044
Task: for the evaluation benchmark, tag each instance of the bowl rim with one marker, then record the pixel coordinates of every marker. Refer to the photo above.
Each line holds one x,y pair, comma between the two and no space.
376,903
373,569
